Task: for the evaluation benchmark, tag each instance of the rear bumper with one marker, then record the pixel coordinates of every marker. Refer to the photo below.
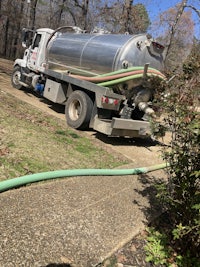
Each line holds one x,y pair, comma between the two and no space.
122,127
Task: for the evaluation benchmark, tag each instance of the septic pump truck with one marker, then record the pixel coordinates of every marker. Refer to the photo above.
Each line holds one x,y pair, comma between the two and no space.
102,79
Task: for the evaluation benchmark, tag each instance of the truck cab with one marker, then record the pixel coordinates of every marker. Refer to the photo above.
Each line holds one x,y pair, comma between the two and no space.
37,51
26,70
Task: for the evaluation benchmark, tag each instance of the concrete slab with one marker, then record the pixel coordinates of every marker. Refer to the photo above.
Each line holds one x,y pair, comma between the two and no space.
77,221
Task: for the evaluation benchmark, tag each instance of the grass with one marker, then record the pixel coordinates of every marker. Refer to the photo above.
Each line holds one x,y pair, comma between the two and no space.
32,141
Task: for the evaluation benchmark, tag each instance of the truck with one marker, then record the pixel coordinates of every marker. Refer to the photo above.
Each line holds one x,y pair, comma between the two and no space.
102,79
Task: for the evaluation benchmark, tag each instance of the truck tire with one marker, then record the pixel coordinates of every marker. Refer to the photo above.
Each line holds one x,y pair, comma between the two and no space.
16,77
78,110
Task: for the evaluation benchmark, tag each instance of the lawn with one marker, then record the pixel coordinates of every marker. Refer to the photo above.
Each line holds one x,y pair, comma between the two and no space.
32,141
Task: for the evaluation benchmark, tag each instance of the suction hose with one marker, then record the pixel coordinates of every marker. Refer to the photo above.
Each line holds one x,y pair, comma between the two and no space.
115,75
128,78
23,180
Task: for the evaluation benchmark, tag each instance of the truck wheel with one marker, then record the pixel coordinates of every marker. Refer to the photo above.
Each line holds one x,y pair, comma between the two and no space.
16,77
78,110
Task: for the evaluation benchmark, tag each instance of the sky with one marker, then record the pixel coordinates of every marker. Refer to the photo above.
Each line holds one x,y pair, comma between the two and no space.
154,7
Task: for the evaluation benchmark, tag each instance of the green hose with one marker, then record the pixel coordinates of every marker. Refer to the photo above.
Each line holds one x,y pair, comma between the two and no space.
124,71
121,80
23,180
116,75
102,79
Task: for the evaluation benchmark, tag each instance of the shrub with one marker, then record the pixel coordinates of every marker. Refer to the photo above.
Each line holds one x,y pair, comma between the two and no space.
181,195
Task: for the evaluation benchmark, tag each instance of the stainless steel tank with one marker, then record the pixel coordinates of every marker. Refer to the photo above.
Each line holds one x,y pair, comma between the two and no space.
91,54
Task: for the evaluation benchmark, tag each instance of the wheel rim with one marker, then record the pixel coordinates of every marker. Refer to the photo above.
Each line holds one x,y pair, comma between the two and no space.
16,77
75,109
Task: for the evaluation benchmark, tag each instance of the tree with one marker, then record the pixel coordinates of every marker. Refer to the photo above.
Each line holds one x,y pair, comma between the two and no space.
12,15
116,16
86,14
177,32
180,10
177,28
33,8
127,14
121,17
139,19
136,18
63,12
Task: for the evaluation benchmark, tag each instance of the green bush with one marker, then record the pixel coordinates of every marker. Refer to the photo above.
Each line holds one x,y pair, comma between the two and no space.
181,195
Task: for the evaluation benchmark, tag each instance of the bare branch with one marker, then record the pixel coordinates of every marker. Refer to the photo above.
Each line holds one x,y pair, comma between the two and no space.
195,9
77,4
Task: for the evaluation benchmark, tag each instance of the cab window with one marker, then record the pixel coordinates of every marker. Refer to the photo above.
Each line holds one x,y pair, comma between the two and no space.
37,40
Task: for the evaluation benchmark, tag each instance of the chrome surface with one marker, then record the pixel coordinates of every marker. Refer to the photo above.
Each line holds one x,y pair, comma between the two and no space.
91,54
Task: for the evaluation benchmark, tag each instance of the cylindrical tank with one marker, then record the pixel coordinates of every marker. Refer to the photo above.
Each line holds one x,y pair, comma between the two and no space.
92,54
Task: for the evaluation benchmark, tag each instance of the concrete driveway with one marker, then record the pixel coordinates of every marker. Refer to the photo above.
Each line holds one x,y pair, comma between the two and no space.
76,221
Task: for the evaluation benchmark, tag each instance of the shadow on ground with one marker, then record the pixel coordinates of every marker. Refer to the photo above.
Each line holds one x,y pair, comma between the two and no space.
123,141
150,191
133,252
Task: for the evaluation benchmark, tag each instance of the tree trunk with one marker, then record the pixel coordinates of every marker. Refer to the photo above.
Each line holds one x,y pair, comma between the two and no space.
84,6
6,36
173,27
128,7
60,13
33,13
85,13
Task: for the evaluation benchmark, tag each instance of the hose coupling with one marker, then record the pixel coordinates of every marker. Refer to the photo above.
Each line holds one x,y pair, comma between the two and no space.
143,106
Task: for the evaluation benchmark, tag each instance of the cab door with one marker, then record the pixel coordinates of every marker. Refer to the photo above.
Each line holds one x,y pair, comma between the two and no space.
33,58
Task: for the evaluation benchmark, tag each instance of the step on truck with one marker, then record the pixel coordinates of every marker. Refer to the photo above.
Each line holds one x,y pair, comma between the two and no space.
101,78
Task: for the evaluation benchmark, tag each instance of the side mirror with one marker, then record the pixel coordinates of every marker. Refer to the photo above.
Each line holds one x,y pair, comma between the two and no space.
27,37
